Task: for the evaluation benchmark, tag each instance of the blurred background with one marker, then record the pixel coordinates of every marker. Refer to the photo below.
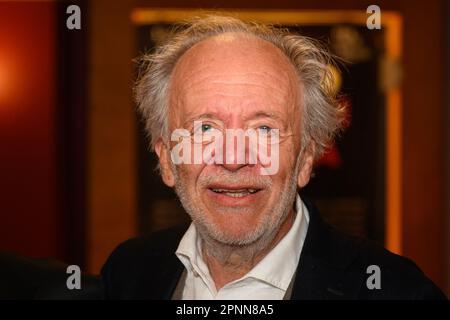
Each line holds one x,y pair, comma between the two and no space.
76,174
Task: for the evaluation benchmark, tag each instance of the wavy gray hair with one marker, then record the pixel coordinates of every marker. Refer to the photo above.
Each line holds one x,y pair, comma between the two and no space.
322,116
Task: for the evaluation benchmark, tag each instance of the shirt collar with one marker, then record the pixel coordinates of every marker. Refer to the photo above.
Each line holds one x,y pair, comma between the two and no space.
276,268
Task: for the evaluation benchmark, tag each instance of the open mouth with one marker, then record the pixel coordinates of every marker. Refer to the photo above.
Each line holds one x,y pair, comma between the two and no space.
235,193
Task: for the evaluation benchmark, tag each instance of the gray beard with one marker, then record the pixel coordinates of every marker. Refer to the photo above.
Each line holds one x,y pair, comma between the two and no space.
221,247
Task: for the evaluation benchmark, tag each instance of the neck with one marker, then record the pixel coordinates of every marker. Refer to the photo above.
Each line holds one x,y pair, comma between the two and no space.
234,262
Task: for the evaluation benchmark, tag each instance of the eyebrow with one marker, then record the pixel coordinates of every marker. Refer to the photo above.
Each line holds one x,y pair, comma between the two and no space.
201,117
254,116
264,114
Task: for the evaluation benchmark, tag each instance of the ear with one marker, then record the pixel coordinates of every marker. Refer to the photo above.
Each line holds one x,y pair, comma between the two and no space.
307,165
164,163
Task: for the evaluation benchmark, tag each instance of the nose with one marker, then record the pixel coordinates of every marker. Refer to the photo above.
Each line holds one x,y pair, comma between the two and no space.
233,167
235,155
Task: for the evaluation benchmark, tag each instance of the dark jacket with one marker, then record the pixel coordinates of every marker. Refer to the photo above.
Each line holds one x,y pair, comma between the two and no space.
332,266
24,278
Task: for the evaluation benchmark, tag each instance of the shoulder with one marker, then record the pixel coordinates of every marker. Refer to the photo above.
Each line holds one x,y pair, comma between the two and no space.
398,277
138,260
157,243
351,266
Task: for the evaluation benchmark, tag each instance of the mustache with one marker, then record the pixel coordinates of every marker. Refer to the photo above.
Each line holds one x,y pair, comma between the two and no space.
227,178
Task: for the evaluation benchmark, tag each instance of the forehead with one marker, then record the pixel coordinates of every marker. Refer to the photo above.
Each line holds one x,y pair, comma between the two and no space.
233,69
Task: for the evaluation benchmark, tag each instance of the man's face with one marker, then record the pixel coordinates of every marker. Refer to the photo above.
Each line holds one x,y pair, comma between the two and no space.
235,82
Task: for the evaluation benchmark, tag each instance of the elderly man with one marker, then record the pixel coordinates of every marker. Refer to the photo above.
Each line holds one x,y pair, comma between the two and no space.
251,236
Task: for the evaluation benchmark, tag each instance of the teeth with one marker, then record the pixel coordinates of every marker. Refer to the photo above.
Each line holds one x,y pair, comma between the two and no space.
235,193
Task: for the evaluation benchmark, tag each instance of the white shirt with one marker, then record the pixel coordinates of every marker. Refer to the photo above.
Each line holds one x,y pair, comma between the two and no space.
268,280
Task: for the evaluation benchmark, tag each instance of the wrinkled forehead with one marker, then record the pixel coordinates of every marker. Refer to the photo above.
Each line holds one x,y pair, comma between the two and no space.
234,58
234,74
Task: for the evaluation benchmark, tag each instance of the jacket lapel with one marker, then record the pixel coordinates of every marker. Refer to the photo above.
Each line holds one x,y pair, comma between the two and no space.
323,271
165,264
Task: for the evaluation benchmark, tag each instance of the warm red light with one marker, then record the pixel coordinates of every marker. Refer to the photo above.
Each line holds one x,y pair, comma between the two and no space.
7,79
3,80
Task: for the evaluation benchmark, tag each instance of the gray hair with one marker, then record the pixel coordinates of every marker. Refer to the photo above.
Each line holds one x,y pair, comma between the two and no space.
322,116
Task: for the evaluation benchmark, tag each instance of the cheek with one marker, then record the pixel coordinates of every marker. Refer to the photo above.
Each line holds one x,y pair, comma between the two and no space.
288,161
286,168
189,174
288,157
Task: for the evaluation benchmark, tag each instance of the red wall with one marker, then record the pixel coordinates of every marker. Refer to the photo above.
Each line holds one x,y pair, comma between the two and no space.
29,217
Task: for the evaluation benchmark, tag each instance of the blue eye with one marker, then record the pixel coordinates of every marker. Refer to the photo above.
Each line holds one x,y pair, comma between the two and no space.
206,127
264,129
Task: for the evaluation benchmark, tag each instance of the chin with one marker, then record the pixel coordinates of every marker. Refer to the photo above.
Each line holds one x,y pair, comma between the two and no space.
234,231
